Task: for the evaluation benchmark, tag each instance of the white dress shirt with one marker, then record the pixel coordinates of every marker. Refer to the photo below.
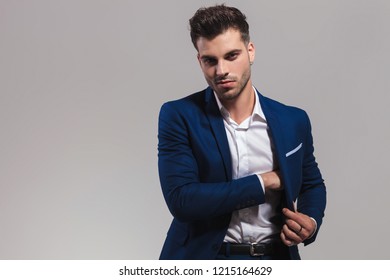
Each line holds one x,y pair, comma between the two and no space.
251,153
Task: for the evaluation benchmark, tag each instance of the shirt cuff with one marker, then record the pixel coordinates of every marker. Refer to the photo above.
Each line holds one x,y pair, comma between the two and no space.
262,183
315,229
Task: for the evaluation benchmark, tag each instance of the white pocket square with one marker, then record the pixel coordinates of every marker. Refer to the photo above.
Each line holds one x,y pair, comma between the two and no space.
294,150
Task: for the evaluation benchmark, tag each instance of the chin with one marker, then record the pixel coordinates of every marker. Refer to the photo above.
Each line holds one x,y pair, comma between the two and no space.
228,95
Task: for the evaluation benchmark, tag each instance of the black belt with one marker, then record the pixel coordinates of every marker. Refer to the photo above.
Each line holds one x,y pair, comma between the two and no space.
253,249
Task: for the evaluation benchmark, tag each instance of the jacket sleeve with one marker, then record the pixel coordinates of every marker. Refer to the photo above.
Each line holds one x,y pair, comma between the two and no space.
312,198
188,197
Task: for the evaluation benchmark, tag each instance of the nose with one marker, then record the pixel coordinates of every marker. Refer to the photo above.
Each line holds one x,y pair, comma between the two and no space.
221,68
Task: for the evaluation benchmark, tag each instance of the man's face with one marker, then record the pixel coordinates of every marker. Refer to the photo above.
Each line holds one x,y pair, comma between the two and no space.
225,61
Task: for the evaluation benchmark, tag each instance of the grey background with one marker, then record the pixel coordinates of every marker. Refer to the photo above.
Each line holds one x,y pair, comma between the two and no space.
81,85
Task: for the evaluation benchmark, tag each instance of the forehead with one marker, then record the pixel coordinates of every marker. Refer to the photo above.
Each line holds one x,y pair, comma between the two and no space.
221,44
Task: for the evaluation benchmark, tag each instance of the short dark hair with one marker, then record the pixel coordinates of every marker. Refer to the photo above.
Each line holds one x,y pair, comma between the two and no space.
212,21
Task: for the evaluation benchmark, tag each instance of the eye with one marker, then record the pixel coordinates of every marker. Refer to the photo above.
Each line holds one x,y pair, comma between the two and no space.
209,61
232,56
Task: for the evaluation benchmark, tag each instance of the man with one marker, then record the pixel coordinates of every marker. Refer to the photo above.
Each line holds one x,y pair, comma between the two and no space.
237,169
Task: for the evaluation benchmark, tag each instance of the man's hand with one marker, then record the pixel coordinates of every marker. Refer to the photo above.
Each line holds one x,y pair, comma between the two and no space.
271,180
298,227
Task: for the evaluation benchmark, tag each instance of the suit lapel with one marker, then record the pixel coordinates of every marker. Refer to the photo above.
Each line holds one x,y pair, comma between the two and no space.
277,137
218,129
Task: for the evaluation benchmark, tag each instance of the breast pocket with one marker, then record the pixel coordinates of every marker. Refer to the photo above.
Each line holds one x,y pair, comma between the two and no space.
294,159
294,150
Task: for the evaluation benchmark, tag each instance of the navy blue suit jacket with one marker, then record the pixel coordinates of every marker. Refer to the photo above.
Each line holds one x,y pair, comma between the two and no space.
196,173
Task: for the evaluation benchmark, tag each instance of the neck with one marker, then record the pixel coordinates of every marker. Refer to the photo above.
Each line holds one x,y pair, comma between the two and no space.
241,107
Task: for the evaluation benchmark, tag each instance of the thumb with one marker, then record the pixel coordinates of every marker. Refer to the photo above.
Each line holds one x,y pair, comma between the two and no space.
288,213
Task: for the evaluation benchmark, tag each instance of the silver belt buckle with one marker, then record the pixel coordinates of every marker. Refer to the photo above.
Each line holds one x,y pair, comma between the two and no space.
252,250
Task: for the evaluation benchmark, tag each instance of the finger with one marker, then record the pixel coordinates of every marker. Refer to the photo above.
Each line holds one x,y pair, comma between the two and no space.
290,214
294,226
286,241
291,235
296,216
299,230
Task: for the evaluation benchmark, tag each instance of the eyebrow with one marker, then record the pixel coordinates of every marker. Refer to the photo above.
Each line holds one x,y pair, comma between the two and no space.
226,54
207,57
233,51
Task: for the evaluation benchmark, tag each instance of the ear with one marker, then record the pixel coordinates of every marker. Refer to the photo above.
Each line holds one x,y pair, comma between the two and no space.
198,57
251,51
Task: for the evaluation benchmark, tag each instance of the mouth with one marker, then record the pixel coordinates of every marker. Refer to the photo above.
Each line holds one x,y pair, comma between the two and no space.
225,83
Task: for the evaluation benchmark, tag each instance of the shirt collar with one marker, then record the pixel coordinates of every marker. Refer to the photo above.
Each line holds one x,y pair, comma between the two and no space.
257,110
